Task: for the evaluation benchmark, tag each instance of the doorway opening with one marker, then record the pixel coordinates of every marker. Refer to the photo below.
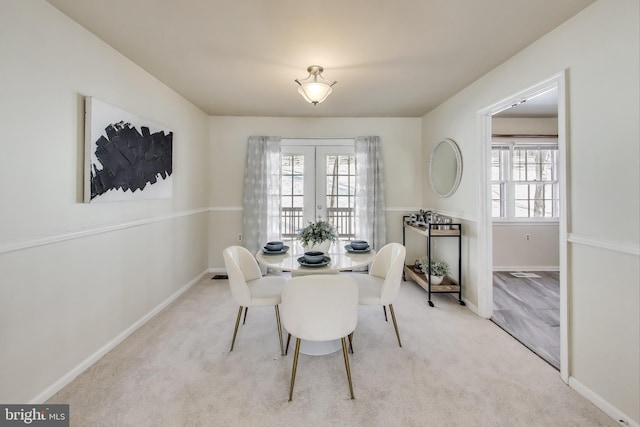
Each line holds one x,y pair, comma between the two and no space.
519,199
527,307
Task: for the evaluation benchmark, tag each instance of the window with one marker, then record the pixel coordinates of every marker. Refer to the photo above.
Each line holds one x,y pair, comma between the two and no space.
317,181
524,174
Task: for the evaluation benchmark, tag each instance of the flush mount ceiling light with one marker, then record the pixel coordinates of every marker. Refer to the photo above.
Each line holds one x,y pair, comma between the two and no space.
315,88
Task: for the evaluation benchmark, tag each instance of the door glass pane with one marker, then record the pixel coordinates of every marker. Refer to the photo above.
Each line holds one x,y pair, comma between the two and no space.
340,194
292,194
287,185
343,185
298,164
343,165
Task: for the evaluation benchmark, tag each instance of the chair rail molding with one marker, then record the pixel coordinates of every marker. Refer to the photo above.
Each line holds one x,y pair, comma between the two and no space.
225,209
31,242
612,245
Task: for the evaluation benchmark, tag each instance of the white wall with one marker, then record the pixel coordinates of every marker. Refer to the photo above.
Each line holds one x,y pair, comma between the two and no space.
401,146
75,276
599,48
513,251
524,126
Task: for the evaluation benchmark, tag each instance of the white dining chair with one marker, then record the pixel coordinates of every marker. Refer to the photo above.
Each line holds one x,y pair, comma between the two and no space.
249,288
382,284
320,307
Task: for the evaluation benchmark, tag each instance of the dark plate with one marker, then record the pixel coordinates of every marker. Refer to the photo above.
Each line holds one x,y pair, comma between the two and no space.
280,252
323,263
357,251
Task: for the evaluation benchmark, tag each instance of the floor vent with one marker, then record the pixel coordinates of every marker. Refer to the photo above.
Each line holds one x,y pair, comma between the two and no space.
220,277
525,275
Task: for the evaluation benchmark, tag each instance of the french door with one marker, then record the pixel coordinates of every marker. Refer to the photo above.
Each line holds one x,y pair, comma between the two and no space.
318,181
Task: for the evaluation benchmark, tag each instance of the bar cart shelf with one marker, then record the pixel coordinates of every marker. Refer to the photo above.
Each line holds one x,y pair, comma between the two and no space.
431,231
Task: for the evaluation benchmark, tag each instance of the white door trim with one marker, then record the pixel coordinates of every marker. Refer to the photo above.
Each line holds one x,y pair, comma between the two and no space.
485,238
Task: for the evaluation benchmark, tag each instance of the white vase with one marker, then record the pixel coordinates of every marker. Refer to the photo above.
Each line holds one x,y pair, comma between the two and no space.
319,247
436,280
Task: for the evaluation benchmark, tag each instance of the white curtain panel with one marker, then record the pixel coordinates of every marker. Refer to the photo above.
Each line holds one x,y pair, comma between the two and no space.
370,207
261,199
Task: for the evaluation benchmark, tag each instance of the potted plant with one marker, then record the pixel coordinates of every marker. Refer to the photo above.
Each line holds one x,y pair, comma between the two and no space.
439,269
317,236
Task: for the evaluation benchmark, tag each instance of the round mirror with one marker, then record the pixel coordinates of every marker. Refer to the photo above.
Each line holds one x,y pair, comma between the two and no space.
445,168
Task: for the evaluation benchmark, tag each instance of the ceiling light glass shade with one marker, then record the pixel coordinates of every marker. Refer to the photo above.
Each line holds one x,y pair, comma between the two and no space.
314,92
315,88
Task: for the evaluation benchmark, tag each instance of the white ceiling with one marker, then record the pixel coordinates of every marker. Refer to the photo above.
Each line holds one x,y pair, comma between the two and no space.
543,105
396,58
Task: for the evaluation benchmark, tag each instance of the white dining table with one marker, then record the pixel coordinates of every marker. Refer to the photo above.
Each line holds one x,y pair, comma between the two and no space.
341,260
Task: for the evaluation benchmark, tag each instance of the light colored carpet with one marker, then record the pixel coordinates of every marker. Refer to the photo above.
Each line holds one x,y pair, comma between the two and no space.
454,369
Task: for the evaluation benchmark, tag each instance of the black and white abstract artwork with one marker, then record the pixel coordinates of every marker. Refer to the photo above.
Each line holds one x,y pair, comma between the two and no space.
126,157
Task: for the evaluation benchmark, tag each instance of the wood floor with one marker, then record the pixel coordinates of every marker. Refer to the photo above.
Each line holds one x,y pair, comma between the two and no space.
528,308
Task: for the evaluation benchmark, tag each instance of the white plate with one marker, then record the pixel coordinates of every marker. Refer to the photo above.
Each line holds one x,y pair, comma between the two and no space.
323,263
280,252
357,251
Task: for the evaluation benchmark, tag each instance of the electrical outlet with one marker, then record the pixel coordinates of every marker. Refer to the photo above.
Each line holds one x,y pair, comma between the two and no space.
239,237
527,237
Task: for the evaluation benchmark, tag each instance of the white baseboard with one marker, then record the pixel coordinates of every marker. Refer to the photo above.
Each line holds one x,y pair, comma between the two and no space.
526,268
470,306
617,415
85,364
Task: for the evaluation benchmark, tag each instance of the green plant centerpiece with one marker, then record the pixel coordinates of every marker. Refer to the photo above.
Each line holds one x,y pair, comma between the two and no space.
439,269
318,236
